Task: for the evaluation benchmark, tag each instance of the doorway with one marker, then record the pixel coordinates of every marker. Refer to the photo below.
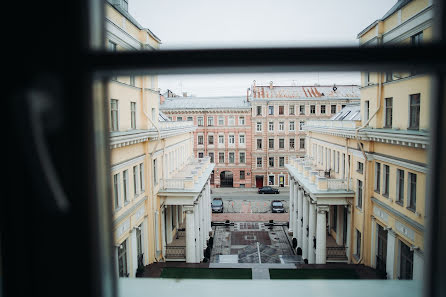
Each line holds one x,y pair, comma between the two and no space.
281,181
259,181
226,179
381,255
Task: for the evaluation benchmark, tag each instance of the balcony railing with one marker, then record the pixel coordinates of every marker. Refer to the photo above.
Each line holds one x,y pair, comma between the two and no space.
175,125
188,175
176,252
336,252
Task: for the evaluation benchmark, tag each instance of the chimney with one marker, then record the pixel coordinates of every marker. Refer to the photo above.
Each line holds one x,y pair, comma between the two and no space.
271,85
247,94
162,99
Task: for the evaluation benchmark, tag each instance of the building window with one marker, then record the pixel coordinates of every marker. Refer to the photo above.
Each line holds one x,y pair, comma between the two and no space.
416,39
114,114
301,143
259,144
241,139
360,167
377,177
389,111
132,80
292,126
231,139
292,143
366,110
259,161
281,110
241,120
179,119
211,155
412,191
333,109
135,180
221,157
133,115
359,195
281,126
389,76
231,121
242,158
200,121
200,139
302,109
125,184
122,259
281,143
259,110
271,126
271,110
323,109
200,155
406,261
271,162
210,121
242,174
116,190
271,143
221,121
400,186
259,127
291,110
221,139
190,119
414,112
211,139
312,109
281,161
301,125
271,180
367,78
358,244
231,157
141,177
386,179
155,172
112,46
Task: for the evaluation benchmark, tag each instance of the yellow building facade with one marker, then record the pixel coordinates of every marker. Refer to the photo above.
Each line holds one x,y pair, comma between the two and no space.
147,153
381,158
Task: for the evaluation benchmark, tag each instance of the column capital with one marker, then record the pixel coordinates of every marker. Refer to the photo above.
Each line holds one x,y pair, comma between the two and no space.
188,209
322,208
417,250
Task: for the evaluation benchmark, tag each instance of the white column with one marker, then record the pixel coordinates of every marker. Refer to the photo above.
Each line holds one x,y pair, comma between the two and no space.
339,224
391,240
296,222
321,236
300,212
418,264
134,253
349,228
197,233
163,231
291,204
168,214
209,205
304,228
202,227
117,260
190,236
175,215
145,241
312,232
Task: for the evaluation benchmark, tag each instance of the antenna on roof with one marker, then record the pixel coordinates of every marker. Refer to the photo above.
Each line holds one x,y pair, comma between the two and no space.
334,87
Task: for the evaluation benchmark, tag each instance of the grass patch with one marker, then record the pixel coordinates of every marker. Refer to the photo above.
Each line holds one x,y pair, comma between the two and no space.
313,274
207,273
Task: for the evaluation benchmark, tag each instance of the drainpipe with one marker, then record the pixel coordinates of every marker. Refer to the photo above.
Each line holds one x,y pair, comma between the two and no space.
267,142
378,102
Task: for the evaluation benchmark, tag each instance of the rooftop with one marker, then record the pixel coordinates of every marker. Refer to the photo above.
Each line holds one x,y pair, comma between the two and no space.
205,103
351,112
305,92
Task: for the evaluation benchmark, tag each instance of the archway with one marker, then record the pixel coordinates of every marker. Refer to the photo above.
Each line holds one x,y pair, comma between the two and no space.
226,179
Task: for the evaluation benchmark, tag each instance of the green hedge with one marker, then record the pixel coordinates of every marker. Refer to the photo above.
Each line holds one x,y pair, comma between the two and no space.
313,274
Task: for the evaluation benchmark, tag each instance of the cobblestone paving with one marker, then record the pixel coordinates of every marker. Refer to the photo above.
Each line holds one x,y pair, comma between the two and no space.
249,206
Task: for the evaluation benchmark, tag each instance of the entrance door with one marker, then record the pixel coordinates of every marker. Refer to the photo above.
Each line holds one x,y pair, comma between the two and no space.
381,255
259,181
226,179
281,181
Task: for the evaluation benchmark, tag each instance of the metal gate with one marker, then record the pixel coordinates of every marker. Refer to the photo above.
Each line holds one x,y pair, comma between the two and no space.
226,179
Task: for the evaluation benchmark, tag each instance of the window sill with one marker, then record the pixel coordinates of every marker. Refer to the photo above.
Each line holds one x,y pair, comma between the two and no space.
400,203
356,257
411,209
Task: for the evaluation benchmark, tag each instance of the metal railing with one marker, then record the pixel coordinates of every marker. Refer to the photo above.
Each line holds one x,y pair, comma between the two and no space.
176,252
336,252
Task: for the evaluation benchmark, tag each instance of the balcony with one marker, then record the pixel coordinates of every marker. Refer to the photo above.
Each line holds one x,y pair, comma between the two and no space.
333,124
191,177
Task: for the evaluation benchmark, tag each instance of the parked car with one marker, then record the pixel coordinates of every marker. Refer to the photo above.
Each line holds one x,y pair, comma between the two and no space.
217,205
277,206
268,190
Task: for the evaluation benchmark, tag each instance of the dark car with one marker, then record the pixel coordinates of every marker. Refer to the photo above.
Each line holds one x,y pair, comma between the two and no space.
268,190
217,205
277,206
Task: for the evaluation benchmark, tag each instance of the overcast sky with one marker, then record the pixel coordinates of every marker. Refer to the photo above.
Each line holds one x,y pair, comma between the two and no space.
244,23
